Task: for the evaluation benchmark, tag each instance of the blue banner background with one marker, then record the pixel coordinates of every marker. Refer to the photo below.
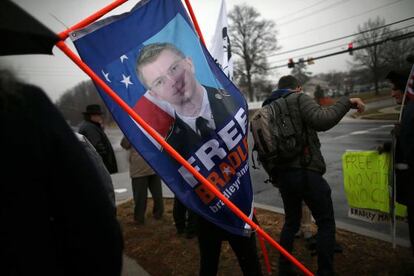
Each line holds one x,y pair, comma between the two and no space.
111,47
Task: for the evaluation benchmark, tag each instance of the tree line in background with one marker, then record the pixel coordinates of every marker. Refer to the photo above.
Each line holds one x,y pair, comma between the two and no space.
254,40
74,101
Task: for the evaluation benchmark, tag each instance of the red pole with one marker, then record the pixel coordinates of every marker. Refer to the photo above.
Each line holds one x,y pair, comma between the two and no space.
262,234
194,19
92,18
265,255
264,250
62,46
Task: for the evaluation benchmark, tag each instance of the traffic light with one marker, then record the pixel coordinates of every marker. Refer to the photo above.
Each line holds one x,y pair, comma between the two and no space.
350,48
310,61
291,64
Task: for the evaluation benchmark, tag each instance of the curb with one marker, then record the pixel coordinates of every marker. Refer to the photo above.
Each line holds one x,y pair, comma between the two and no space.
347,227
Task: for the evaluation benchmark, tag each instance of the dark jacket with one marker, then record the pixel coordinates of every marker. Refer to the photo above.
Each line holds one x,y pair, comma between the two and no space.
56,217
95,134
100,166
311,117
184,139
404,153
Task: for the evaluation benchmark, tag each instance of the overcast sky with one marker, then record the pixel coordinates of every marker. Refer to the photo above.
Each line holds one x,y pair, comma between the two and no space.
299,23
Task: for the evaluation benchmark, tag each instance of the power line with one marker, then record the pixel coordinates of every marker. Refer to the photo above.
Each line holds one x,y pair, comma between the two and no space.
339,38
395,38
299,11
308,54
341,20
334,47
333,5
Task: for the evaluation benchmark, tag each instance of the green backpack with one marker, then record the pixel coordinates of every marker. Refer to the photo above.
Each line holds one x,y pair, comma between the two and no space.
278,137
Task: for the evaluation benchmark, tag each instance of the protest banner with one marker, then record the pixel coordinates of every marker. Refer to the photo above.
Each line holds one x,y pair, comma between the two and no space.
155,136
221,155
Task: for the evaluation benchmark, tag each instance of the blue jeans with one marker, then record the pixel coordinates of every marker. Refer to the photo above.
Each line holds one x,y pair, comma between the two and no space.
297,185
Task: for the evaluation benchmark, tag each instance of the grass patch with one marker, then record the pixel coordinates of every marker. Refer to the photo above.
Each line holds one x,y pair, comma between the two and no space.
157,248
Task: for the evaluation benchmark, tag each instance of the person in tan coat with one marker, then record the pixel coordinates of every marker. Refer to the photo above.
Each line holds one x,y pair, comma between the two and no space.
142,179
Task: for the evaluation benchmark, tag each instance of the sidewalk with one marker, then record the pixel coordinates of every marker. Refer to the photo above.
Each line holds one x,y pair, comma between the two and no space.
388,113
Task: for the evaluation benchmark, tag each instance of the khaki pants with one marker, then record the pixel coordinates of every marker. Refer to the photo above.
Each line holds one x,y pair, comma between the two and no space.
306,222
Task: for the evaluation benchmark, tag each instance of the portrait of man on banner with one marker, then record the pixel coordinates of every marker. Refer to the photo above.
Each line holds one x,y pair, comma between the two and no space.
199,110
163,72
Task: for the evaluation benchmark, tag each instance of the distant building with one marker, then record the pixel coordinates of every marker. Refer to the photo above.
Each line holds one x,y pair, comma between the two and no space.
310,86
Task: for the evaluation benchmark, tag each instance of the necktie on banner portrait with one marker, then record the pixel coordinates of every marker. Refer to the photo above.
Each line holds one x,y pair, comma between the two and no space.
111,48
220,44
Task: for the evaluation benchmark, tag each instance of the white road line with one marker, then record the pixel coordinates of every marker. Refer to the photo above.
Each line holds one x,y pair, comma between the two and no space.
120,191
359,132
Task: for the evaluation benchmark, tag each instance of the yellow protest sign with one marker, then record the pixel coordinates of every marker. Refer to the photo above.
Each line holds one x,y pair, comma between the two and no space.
366,177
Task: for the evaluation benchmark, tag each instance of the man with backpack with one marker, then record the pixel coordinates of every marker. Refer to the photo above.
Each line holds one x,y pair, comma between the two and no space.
295,164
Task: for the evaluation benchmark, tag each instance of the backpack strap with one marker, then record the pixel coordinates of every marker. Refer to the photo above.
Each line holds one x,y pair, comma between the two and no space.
272,98
307,154
306,157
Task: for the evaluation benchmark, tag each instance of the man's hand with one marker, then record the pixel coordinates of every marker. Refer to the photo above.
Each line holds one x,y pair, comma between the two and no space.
385,147
357,103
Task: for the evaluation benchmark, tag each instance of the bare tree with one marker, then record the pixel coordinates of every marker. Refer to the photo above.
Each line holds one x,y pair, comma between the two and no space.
373,57
74,101
253,39
300,72
396,50
335,80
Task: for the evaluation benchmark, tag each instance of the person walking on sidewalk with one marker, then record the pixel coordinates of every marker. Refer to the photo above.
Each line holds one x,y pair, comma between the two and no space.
301,178
142,179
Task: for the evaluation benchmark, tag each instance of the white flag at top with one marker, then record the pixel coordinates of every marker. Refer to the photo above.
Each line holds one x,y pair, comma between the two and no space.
220,44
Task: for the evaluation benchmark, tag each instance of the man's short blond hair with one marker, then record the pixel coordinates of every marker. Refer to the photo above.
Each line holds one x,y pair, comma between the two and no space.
150,53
